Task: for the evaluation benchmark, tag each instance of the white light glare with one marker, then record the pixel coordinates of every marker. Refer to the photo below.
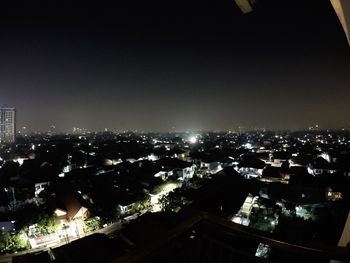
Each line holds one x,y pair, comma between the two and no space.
248,146
193,139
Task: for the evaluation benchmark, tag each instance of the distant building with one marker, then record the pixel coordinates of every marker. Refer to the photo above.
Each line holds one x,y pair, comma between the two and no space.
7,125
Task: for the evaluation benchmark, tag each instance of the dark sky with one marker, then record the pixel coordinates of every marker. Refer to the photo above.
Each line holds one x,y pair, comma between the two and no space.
174,65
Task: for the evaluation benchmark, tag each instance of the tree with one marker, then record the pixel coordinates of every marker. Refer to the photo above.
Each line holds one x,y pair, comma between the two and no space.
18,242
145,204
93,224
141,205
5,240
10,242
173,201
46,223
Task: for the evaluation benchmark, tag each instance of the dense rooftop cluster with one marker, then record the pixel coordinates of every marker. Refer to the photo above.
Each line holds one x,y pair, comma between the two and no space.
55,189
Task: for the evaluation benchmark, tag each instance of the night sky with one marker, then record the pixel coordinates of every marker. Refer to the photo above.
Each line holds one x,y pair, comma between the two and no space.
174,65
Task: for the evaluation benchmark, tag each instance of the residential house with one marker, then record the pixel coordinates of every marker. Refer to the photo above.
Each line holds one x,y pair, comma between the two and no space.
71,213
321,166
176,168
251,167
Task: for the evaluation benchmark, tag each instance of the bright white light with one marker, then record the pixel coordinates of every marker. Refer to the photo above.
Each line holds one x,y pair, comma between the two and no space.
152,157
248,146
19,160
156,197
309,170
193,139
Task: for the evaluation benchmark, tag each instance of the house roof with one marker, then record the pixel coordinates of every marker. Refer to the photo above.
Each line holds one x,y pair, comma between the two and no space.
70,204
281,155
252,163
302,159
128,198
208,157
173,163
321,163
274,172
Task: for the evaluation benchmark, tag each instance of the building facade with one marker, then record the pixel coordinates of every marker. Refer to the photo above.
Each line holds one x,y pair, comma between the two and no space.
7,125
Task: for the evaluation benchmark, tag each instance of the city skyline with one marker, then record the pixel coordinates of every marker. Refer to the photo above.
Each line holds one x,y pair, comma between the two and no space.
174,131
157,66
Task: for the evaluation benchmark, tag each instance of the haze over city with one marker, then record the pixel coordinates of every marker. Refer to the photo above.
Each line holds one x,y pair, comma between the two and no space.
175,131
154,66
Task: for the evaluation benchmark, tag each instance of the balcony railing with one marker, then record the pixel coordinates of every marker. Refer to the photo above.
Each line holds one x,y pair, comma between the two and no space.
206,238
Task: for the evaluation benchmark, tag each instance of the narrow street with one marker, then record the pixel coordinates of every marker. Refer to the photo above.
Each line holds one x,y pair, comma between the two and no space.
108,230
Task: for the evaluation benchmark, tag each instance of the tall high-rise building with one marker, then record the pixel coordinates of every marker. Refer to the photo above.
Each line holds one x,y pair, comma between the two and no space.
7,125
